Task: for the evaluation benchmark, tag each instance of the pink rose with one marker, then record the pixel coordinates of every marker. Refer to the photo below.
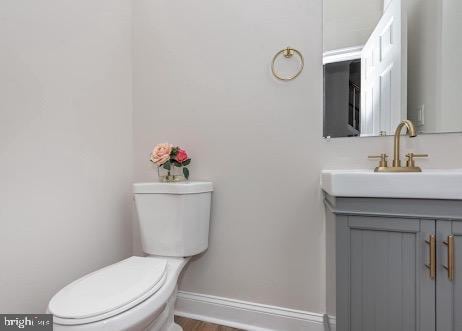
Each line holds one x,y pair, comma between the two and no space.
161,154
181,155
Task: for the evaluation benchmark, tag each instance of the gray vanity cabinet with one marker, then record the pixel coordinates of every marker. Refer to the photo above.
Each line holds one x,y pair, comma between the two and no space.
387,285
449,288
387,264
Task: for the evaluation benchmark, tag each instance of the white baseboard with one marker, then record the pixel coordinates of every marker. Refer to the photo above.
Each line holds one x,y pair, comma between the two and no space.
246,315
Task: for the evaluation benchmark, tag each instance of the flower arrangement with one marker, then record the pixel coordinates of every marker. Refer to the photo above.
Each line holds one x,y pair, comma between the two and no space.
166,156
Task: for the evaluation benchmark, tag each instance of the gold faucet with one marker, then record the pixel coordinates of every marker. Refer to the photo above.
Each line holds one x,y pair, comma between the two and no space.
410,131
396,166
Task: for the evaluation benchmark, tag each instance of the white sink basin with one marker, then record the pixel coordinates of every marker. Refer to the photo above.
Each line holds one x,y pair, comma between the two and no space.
429,184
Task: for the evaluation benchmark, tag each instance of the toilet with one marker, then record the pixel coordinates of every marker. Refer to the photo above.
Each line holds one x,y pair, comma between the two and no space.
139,293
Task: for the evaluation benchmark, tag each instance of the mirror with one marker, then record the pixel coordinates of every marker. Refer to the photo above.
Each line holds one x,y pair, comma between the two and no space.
389,60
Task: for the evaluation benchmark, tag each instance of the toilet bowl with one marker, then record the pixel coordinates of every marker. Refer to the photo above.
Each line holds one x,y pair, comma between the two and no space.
139,293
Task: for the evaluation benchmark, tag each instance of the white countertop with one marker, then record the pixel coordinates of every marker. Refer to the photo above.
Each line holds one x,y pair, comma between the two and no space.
429,184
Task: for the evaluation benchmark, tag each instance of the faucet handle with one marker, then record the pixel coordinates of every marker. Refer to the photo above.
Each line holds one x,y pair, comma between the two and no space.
383,159
410,162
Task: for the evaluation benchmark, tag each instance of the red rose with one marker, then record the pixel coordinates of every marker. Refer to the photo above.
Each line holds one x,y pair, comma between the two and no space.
181,156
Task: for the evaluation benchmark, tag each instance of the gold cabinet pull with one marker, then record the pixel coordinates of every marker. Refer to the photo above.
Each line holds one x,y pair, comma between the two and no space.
432,266
450,267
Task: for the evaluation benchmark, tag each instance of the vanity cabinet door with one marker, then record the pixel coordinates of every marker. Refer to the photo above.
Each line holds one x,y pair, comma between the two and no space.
449,283
382,280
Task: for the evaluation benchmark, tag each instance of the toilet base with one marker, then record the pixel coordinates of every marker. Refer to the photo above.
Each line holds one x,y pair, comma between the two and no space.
165,321
175,327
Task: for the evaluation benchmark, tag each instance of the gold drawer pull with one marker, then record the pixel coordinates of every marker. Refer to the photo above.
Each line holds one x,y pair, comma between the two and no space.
432,266
450,267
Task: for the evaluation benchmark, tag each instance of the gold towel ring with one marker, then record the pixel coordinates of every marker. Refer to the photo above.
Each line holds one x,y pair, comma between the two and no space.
288,52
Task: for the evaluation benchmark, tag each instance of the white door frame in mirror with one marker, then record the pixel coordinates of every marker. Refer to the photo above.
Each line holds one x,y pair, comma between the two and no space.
384,73
342,54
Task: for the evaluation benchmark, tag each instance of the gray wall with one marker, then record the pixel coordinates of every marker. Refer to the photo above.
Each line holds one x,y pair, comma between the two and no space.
336,95
424,64
435,50
65,144
451,68
202,80
337,98
349,23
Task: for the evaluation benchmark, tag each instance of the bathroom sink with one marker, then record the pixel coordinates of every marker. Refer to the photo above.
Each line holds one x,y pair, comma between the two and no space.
429,184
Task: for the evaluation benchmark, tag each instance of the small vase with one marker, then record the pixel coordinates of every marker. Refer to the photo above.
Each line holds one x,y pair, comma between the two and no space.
169,176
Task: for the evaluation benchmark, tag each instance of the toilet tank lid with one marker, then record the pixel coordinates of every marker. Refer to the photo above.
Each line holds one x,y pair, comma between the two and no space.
172,188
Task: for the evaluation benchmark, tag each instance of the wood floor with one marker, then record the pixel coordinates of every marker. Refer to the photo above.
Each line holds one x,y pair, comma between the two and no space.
193,325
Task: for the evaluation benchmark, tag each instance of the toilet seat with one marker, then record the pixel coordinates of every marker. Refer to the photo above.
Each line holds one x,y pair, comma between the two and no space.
109,291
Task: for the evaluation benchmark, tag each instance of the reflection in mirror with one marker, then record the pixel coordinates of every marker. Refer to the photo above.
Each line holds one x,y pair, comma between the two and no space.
390,60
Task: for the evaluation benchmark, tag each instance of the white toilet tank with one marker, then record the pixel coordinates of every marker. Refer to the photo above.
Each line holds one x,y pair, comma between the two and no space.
174,217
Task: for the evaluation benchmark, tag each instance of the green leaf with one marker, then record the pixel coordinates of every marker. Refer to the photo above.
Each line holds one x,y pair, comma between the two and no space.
167,165
177,164
186,173
187,162
174,151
